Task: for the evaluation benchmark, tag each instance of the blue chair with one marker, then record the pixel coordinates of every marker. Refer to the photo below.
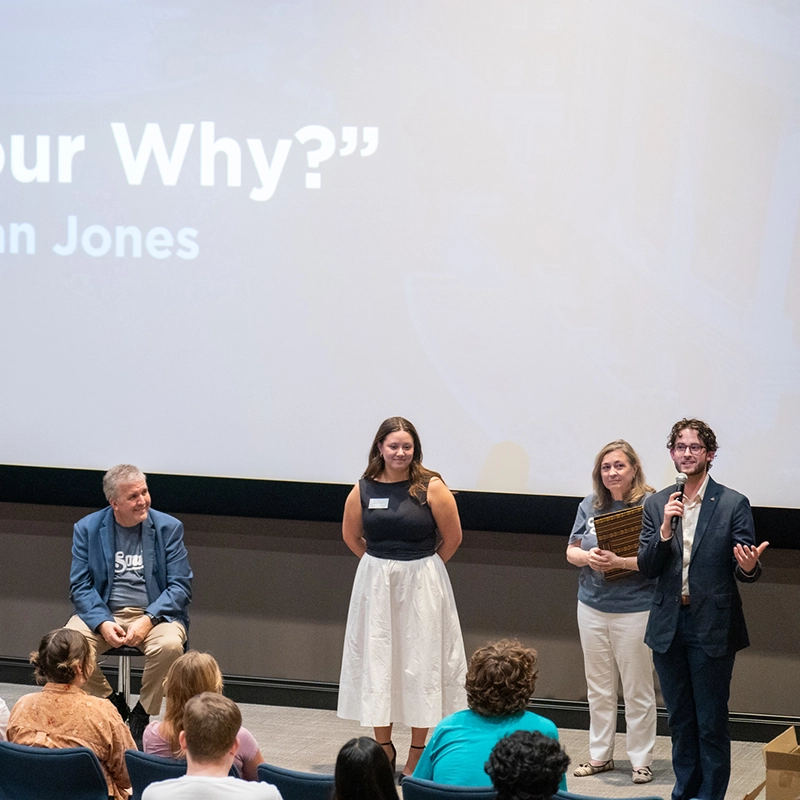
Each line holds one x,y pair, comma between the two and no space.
32,773
145,769
571,796
420,789
297,785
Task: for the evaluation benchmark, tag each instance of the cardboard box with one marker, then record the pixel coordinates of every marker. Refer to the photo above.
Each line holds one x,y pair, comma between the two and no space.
782,759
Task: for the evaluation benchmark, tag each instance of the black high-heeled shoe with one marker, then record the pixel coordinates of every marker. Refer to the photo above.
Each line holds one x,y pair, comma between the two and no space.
402,775
393,759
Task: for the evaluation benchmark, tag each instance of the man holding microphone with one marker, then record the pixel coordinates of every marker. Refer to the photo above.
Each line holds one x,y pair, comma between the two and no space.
697,542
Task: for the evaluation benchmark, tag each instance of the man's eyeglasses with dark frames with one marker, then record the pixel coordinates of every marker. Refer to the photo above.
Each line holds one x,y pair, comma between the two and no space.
693,448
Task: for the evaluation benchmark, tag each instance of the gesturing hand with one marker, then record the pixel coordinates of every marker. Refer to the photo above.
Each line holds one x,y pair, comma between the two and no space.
747,556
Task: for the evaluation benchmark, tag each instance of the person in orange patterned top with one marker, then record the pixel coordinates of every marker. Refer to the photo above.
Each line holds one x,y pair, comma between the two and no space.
63,715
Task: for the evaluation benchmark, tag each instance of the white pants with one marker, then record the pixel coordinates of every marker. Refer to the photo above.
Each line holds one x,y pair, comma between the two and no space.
613,649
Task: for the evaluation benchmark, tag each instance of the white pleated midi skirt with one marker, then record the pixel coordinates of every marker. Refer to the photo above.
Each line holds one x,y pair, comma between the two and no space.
403,655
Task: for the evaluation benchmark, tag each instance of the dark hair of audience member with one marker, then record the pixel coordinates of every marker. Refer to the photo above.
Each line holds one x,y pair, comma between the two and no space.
363,772
211,723
63,653
526,765
501,678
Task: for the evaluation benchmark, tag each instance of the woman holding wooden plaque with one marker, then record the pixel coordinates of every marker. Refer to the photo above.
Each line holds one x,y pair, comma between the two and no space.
613,607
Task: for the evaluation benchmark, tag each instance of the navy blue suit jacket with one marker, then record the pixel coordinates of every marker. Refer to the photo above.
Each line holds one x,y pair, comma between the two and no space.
167,575
725,520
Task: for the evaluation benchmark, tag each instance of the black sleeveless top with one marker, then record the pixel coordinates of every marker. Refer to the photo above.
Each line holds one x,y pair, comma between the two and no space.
396,525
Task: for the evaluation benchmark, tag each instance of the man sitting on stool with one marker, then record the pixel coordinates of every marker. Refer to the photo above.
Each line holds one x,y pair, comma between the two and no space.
211,723
130,583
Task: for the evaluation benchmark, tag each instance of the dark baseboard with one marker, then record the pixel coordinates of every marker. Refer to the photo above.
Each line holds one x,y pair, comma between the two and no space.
322,695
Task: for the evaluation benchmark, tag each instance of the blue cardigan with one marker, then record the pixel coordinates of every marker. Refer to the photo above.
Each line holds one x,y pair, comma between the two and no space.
167,575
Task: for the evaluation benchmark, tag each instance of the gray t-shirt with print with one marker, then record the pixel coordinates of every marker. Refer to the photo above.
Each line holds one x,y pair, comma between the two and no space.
129,589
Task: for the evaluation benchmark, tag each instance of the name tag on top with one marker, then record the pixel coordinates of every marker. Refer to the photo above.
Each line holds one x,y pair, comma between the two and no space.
379,502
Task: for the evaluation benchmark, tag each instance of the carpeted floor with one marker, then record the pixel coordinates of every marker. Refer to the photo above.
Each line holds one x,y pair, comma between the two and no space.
307,739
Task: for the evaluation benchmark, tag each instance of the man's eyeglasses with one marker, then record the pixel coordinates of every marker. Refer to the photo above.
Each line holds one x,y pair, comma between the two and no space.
693,448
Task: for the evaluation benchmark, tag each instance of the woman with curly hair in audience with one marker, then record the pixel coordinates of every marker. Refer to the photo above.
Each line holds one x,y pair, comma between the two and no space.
363,772
527,766
63,715
191,674
500,681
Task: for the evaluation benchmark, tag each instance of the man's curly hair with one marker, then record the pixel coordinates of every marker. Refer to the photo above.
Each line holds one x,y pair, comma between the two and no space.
704,433
501,678
526,765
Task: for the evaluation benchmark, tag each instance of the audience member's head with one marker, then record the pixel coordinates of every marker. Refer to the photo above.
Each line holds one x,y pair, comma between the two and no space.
211,723
501,678
191,674
63,656
527,765
363,772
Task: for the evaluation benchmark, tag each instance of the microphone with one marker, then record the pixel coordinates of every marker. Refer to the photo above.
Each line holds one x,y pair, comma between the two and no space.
680,482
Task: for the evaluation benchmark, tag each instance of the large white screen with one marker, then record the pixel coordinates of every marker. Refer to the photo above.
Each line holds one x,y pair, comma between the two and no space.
536,227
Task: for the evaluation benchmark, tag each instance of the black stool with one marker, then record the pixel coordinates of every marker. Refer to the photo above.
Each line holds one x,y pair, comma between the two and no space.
125,653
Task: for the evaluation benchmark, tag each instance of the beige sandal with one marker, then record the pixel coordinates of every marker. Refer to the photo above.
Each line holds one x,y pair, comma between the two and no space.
584,770
642,775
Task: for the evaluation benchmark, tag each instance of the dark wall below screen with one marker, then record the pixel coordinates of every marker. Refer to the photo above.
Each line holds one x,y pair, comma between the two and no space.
271,597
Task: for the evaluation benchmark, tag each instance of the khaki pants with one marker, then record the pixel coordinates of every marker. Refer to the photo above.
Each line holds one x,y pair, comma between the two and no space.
161,647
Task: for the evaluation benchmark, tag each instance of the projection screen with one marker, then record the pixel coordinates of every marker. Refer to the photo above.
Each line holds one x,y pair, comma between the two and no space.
235,236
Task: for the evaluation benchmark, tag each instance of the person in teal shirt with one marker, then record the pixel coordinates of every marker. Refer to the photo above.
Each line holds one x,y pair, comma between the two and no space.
500,681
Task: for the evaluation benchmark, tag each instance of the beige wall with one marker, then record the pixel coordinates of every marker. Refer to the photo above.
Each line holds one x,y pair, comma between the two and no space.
271,600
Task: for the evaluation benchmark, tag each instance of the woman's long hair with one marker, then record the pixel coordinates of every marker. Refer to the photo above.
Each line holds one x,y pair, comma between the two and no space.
419,476
639,488
191,674
363,772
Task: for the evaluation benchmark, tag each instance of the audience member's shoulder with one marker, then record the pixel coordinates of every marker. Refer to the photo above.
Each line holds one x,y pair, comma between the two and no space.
197,788
99,708
456,719
24,701
544,725
266,791
152,740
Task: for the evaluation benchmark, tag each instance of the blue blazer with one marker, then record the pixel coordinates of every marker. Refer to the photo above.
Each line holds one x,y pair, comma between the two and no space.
167,575
725,520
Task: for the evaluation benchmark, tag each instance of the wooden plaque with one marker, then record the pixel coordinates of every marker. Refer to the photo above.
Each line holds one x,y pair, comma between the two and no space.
619,532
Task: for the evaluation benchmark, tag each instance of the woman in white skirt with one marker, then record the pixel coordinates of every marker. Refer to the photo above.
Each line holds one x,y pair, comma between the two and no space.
403,656
612,617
